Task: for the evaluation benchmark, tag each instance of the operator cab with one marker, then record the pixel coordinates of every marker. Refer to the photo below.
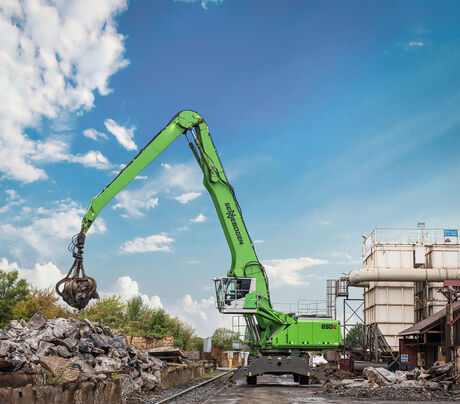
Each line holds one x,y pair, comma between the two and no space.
231,293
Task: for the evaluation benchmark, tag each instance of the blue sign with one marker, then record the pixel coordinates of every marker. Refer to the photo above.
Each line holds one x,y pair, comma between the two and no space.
450,233
404,358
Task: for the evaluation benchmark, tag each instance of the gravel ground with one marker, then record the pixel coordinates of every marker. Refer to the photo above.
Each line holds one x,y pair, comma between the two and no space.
198,395
389,393
276,389
282,389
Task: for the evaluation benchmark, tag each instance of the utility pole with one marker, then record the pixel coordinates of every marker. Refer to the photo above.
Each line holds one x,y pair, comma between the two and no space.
451,292
449,326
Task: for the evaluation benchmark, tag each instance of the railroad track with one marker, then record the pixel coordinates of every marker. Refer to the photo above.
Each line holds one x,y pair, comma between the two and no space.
183,393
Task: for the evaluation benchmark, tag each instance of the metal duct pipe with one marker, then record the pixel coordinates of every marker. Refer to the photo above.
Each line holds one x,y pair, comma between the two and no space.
359,277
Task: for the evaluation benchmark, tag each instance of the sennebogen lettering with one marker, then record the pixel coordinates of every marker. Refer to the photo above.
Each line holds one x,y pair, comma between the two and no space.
231,216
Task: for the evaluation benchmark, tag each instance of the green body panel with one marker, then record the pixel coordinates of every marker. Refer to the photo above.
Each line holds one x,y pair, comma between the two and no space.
270,323
283,331
309,334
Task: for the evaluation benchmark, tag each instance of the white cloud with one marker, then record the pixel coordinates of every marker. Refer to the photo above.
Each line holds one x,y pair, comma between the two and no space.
194,307
193,262
47,227
41,276
185,178
325,223
259,241
287,271
133,202
187,197
94,134
53,56
12,200
155,242
199,219
204,3
12,194
336,254
122,134
5,208
94,159
56,150
127,288
417,44
202,314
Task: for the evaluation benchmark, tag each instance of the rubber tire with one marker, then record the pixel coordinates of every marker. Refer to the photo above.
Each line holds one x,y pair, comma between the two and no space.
251,380
296,377
303,380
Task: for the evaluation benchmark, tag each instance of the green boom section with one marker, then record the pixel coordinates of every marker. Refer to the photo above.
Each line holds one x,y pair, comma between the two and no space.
158,144
244,259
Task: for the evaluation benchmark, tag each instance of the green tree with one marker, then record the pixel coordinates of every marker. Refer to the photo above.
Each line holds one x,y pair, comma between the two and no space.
12,290
156,323
197,344
109,311
136,310
39,299
355,337
224,338
183,333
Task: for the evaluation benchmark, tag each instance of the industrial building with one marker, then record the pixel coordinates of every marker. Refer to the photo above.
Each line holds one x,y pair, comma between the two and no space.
401,278
396,306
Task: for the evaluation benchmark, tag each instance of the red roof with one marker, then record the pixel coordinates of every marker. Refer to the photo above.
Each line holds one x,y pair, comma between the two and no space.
428,323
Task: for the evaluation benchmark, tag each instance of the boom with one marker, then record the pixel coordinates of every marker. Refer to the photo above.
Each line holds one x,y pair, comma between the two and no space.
244,259
245,290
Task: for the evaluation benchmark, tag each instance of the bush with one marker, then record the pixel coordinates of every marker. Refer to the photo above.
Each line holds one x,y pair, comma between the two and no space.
224,338
109,311
39,299
197,344
12,290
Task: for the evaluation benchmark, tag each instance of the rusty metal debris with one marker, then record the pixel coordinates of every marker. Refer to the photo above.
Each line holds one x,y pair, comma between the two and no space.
78,288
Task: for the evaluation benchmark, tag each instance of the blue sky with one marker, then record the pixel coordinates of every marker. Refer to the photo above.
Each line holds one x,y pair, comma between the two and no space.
330,118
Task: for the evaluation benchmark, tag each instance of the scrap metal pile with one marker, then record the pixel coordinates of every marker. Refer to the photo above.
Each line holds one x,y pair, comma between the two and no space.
47,351
437,382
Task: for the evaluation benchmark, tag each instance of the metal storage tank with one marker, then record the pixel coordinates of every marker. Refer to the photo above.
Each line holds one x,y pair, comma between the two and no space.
395,306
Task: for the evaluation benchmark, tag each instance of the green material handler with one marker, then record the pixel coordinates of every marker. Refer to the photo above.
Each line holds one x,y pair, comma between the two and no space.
283,340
